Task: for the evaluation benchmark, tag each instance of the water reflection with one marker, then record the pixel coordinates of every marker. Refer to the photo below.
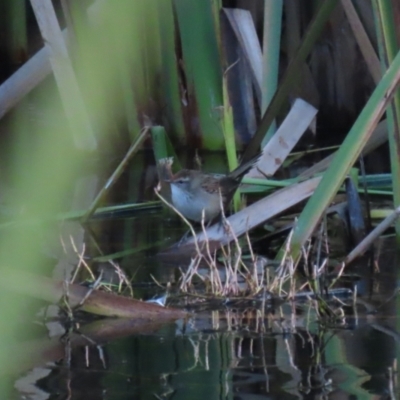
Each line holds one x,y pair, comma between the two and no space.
222,354
252,351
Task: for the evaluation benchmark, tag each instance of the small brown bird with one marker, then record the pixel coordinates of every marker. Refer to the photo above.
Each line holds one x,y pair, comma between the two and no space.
194,191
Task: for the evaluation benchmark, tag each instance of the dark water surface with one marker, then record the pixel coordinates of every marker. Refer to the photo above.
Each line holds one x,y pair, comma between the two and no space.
253,350
250,351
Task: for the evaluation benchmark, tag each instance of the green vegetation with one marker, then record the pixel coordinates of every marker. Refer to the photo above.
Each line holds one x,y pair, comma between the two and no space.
173,77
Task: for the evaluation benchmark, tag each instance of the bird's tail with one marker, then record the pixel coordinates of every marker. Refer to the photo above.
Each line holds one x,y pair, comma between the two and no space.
242,169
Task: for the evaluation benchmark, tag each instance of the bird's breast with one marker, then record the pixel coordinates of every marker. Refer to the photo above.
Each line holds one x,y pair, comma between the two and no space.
191,206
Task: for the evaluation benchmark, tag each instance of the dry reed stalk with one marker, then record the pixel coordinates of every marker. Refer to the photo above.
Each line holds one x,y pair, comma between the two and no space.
238,279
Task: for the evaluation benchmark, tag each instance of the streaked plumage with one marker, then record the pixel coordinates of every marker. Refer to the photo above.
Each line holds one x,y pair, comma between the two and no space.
194,191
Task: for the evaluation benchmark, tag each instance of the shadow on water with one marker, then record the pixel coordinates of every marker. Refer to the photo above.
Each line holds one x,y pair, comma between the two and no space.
235,350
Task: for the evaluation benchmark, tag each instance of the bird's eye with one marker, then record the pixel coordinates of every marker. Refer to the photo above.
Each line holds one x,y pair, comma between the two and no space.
180,181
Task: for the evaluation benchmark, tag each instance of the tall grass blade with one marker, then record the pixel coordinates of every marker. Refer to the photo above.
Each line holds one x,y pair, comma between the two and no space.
75,108
388,46
245,31
378,137
345,157
271,50
311,36
117,173
170,84
162,146
363,41
202,67
239,83
229,135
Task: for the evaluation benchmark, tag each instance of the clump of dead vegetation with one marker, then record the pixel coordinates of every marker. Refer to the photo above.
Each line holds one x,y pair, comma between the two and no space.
236,272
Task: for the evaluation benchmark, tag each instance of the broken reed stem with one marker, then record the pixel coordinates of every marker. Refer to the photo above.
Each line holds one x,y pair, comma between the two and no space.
234,267
117,173
232,261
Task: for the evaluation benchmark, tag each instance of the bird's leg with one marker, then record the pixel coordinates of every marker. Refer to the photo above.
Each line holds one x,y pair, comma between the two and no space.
222,221
184,238
189,232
